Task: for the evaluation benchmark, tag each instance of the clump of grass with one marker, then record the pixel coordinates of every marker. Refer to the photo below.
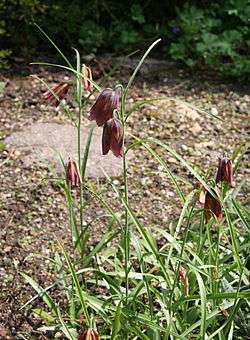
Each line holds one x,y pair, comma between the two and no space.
195,285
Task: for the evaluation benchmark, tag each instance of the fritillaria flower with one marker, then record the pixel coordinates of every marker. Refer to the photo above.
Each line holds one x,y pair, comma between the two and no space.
225,171
57,93
73,174
112,137
89,334
87,78
212,206
184,279
104,106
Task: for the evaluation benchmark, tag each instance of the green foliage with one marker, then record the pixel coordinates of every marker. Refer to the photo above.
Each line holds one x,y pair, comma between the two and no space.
128,286
217,36
213,33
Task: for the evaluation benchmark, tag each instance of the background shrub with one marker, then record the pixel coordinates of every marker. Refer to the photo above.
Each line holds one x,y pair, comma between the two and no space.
215,34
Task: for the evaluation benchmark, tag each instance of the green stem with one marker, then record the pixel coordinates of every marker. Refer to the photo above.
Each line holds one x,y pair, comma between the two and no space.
79,101
125,180
79,164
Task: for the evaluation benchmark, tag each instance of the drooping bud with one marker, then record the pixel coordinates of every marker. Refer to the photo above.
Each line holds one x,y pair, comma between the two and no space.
184,279
104,106
73,174
87,78
225,171
89,334
212,206
57,93
112,137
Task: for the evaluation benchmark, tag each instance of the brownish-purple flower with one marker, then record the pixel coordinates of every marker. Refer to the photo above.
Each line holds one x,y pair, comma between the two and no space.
89,334
104,106
225,171
73,174
184,279
57,93
212,206
87,78
112,137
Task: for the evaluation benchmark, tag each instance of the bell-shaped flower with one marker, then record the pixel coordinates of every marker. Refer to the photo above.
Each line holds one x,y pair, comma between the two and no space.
89,334
73,174
225,171
112,137
212,206
87,78
57,93
106,103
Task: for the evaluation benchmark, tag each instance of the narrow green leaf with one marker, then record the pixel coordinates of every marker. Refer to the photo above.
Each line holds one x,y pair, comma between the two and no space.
140,64
86,151
41,292
97,87
203,304
117,322
43,314
242,213
56,47
77,286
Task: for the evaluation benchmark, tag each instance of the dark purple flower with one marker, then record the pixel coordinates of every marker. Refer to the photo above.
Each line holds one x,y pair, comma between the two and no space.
112,137
60,91
225,171
73,174
89,334
104,106
212,206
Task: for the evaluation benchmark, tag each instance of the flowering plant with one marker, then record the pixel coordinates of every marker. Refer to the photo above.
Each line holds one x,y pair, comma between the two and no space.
129,285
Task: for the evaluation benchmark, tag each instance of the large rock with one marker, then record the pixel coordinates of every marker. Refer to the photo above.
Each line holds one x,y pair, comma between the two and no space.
43,143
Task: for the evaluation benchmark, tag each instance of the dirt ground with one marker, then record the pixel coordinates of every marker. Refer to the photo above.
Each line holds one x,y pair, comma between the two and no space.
33,212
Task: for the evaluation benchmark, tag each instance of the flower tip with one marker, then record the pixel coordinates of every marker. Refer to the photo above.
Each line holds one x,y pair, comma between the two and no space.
73,176
112,137
57,93
89,334
87,78
225,171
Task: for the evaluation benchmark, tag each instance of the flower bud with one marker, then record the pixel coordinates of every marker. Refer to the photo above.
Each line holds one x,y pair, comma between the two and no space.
225,171
212,207
87,78
104,106
112,137
57,93
89,334
73,174
184,279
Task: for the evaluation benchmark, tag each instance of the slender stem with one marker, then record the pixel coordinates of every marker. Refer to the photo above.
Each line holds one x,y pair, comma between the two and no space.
80,105
79,164
125,179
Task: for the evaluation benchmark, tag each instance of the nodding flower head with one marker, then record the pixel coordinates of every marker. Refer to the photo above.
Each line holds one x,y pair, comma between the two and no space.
225,171
112,137
87,78
89,334
212,206
73,174
57,93
104,106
